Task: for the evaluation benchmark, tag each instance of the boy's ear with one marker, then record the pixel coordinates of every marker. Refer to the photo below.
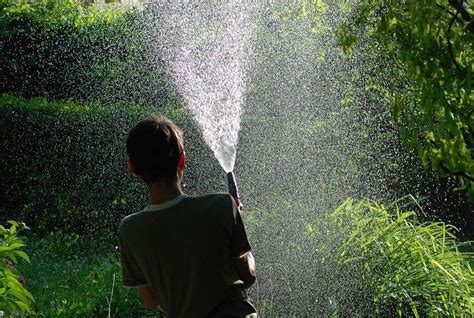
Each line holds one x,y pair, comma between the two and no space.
182,161
131,167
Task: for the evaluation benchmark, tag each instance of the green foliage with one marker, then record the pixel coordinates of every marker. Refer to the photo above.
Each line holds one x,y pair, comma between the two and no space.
14,298
63,164
425,48
302,10
431,46
64,50
76,277
400,265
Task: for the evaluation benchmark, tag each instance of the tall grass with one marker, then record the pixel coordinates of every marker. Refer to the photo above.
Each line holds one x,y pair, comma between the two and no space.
401,265
73,276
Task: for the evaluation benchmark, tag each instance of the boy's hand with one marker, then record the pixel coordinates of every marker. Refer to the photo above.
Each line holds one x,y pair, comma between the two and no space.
241,208
245,265
239,204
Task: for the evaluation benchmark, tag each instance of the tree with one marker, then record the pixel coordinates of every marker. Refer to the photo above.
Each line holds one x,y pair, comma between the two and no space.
431,44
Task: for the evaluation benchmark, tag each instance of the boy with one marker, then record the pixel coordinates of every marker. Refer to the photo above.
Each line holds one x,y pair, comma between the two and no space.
188,255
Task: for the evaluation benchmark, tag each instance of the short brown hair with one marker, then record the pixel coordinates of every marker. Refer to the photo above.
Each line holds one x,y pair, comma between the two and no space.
154,146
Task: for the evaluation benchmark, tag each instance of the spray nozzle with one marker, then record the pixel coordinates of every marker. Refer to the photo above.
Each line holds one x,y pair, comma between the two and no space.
233,190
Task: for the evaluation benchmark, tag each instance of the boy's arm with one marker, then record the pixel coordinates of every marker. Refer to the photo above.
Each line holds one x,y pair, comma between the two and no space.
133,277
243,257
147,298
246,269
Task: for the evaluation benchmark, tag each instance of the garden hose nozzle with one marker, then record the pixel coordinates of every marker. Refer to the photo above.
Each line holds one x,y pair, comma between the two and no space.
233,190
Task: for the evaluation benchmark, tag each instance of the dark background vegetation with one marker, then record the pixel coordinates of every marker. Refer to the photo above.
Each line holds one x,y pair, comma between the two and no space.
74,80
93,70
63,167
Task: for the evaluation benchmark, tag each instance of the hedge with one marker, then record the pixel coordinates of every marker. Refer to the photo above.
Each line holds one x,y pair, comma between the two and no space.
63,164
63,50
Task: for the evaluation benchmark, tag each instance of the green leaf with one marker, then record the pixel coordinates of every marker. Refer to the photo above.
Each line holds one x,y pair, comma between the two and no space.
24,306
17,245
5,248
23,255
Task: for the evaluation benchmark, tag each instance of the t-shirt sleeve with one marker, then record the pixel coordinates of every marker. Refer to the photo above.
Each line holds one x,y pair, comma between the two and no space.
131,274
239,241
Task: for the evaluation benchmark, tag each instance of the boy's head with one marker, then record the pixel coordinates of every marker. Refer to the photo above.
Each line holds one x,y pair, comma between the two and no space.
156,150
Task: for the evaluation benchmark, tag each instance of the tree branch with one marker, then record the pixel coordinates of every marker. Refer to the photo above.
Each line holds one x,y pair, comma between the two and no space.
465,15
450,48
450,12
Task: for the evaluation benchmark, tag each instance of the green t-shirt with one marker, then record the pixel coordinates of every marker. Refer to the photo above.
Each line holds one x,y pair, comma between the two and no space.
184,249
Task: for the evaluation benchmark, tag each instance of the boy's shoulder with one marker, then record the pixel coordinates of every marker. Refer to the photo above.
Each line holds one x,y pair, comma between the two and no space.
212,196
221,199
210,201
129,221
212,204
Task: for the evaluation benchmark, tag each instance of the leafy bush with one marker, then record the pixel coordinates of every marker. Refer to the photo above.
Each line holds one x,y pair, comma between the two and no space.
14,298
63,167
430,46
70,281
397,264
420,64
64,50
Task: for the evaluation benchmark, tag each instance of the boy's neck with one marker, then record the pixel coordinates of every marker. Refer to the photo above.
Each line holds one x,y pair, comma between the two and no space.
162,192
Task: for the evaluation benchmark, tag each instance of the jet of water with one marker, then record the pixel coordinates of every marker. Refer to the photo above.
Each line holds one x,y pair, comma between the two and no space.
203,46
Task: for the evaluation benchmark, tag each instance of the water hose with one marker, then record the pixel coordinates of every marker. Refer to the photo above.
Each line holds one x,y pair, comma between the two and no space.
233,190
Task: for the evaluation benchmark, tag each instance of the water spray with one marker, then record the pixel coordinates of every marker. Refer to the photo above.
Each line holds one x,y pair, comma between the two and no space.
233,190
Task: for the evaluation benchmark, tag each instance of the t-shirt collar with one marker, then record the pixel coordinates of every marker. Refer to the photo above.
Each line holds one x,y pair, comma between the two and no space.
165,205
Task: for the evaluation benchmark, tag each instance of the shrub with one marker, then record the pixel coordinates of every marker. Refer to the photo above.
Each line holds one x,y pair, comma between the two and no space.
430,47
14,298
64,50
76,283
398,264
63,167
63,161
